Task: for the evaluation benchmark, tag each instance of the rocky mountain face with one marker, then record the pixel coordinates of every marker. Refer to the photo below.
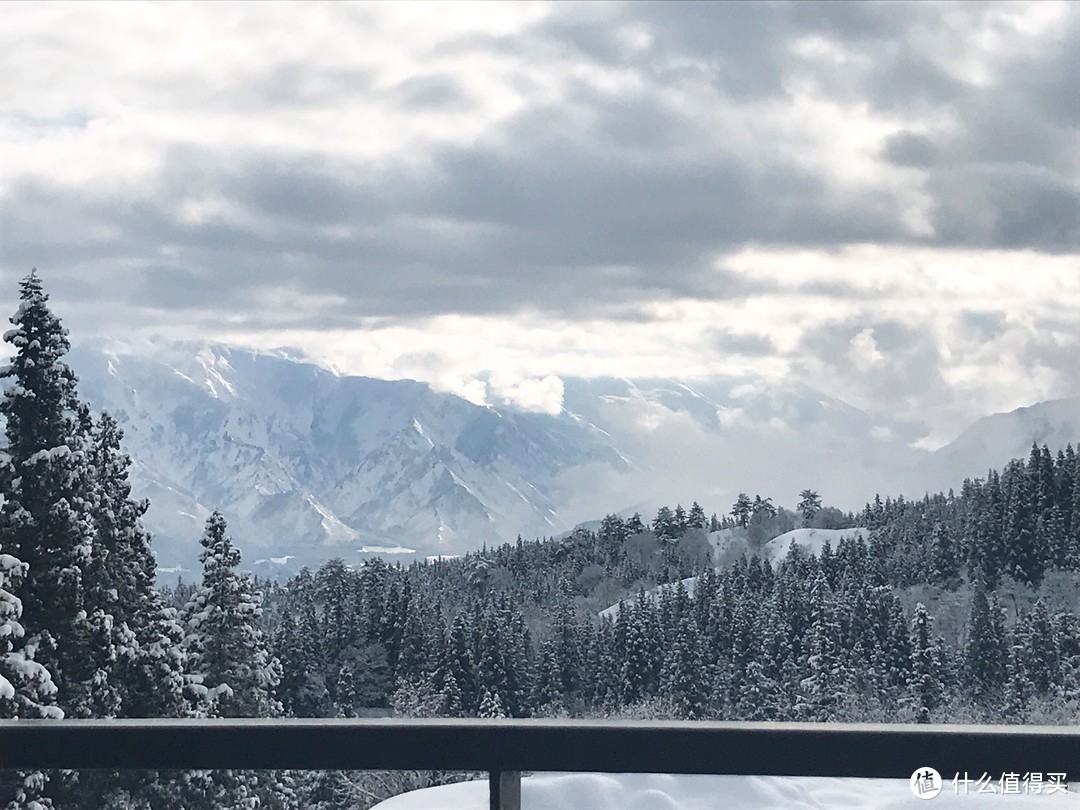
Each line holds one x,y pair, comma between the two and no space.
307,465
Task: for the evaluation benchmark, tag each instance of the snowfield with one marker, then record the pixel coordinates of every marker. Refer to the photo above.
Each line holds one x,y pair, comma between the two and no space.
813,540
591,791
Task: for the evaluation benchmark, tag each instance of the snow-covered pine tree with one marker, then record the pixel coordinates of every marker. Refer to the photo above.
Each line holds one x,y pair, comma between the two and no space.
46,518
636,668
1026,560
150,657
547,688
982,526
461,662
696,517
809,505
664,525
822,688
232,671
491,705
683,666
927,689
26,687
986,653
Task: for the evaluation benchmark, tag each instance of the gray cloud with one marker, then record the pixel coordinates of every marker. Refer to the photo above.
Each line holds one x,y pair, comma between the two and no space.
743,344
1013,206
910,149
538,212
983,325
636,150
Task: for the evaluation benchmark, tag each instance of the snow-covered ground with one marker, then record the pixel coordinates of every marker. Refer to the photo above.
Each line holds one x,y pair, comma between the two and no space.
810,539
775,550
589,791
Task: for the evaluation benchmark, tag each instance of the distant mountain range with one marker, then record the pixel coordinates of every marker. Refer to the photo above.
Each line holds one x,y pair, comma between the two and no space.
307,465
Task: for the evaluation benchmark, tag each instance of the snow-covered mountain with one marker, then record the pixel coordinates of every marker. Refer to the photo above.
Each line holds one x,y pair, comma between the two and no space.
307,464
993,440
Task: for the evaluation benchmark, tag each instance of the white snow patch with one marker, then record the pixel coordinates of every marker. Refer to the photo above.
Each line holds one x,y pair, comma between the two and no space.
689,583
47,455
420,429
667,792
582,420
386,550
336,531
517,492
811,539
461,483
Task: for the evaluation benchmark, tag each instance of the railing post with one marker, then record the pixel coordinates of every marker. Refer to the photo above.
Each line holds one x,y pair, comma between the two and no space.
504,789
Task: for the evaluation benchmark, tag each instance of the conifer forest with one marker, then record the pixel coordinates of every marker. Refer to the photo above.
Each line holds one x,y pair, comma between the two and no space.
950,607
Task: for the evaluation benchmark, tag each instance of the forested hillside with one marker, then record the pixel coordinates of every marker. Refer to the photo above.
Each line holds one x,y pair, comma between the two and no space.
958,607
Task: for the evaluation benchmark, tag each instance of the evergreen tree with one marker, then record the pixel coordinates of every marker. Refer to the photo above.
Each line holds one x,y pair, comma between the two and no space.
926,687
26,688
809,505
45,518
986,652
1025,559
233,674
762,507
681,524
944,557
1050,535
150,658
635,679
696,518
462,664
742,509
547,689
1019,690
491,705
1035,638
664,524
826,676
683,669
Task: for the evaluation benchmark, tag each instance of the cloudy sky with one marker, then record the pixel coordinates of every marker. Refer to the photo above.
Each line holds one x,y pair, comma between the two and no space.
881,199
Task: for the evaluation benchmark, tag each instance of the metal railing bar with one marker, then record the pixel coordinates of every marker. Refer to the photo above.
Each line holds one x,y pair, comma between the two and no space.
692,747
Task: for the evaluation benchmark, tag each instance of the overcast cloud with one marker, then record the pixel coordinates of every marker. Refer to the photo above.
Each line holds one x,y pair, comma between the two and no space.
882,198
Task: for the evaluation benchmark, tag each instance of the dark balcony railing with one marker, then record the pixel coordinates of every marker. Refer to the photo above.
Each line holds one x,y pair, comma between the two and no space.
504,748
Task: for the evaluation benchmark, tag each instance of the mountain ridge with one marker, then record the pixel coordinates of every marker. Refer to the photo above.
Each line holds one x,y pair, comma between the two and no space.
308,463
